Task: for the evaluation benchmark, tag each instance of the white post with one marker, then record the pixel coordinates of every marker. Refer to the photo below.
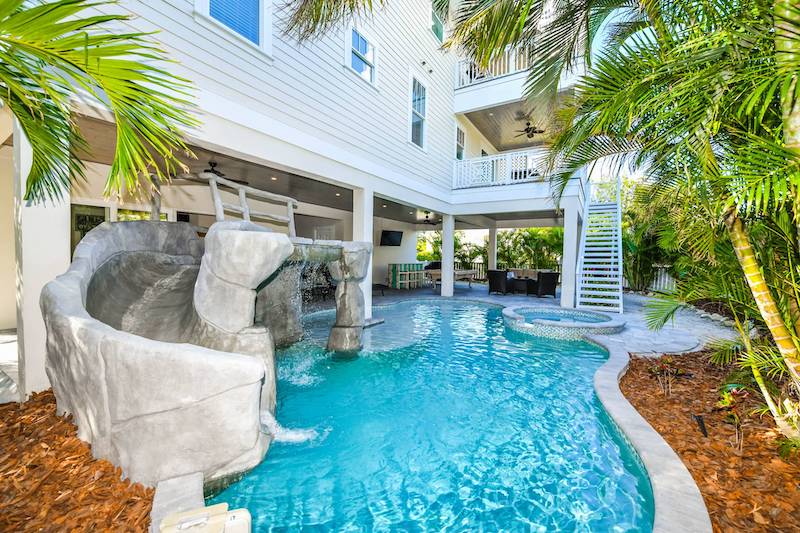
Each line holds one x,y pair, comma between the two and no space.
569,256
491,248
362,231
42,234
448,253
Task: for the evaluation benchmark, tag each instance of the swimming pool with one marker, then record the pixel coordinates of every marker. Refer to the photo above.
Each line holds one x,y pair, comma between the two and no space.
447,420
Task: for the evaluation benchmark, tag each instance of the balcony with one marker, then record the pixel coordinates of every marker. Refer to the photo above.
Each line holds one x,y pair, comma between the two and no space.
502,83
507,168
511,62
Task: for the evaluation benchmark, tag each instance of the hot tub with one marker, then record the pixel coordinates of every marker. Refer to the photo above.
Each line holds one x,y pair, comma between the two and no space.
558,323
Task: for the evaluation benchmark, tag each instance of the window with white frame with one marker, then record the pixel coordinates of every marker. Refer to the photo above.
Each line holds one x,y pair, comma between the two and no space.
418,112
248,19
437,26
362,56
460,143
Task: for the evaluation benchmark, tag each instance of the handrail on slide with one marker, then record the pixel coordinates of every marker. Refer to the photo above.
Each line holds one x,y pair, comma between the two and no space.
243,191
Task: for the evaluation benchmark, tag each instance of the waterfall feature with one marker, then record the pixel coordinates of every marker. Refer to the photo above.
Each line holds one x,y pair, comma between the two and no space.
281,434
279,303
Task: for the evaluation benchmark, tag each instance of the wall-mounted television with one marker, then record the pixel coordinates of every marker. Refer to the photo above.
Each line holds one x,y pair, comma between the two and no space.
391,238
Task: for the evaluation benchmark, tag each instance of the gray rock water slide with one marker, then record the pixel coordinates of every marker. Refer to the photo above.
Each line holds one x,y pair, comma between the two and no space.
163,349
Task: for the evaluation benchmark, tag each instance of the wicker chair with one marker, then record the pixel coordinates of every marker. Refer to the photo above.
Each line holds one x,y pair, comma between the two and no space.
545,285
498,281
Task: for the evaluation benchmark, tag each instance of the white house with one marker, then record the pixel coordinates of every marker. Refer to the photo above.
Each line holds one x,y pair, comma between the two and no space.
370,127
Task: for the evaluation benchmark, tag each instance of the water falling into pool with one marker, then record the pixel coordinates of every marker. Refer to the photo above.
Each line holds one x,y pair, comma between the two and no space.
445,421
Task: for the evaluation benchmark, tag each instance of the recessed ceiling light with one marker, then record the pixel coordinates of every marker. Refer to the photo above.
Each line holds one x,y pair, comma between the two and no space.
384,205
338,194
273,178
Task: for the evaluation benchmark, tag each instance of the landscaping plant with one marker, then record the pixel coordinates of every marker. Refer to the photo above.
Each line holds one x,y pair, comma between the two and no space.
665,371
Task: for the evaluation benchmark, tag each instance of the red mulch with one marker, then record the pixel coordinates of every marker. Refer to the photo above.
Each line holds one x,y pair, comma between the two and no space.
49,480
751,490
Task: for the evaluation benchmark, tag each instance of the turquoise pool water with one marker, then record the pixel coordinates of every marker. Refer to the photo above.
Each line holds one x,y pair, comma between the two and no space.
558,317
447,421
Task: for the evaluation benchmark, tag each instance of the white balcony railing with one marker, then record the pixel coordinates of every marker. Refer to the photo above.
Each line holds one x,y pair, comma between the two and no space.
505,168
512,61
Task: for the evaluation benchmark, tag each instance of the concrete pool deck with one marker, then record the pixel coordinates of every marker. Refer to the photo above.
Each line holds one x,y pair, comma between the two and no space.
687,332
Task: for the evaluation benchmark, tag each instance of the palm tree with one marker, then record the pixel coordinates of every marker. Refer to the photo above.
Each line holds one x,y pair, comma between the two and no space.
54,53
706,101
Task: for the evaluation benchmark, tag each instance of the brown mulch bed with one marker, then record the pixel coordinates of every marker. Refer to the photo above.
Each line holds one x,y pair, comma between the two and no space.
751,490
49,480
711,306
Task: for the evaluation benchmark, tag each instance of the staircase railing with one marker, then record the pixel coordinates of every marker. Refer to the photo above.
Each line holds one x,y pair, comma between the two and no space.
619,238
603,192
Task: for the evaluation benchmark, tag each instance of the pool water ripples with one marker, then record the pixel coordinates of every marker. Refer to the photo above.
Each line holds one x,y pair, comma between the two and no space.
447,421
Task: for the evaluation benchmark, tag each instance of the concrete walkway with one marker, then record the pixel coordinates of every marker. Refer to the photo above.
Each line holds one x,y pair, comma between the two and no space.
9,369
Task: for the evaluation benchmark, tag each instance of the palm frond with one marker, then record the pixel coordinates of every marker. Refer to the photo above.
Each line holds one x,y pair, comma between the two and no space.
49,50
313,17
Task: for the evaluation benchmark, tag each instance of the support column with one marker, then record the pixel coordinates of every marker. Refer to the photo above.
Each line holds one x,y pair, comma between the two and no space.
491,248
363,201
448,253
42,244
569,255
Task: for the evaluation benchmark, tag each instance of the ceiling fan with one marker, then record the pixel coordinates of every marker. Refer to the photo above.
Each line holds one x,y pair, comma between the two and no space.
212,168
529,131
428,219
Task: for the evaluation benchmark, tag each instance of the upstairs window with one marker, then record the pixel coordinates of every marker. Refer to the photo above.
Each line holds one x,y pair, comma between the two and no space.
242,16
362,56
437,26
460,141
418,112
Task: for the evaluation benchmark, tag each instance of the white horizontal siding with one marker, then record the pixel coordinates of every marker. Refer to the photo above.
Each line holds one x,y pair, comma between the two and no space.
308,87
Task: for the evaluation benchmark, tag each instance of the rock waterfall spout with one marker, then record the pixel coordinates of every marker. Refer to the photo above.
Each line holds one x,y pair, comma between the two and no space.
349,270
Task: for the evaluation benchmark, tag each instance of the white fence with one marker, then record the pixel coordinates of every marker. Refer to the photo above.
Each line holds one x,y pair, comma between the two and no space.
500,169
510,62
662,282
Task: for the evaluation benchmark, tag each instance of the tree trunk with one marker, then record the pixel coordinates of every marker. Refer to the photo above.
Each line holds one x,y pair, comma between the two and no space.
762,295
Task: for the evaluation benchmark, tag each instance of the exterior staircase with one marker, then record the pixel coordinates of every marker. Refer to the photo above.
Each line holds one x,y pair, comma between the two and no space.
599,284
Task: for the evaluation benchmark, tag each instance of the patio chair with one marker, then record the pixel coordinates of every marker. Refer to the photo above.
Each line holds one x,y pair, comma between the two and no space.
499,282
545,284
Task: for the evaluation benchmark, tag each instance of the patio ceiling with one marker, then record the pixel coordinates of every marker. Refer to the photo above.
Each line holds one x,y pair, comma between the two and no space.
385,208
500,124
100,137
517,219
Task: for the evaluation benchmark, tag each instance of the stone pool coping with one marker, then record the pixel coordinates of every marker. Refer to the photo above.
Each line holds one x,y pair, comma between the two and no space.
678,504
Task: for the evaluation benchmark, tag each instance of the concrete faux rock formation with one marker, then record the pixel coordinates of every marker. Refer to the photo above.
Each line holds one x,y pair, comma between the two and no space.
349,270
152,346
